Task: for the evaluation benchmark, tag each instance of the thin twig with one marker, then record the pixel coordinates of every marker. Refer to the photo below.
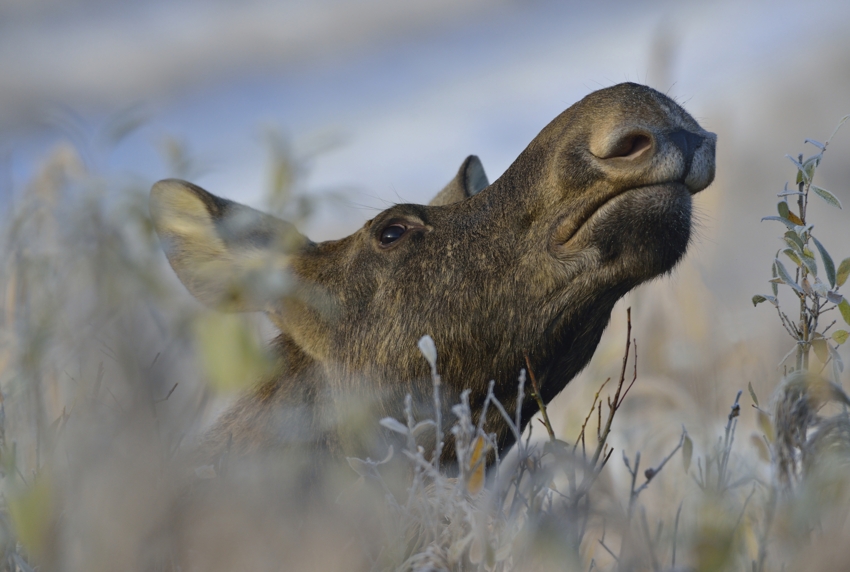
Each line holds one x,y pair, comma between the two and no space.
539,400
616,403
168,394
651,472
586,419
744,509
634,375
645,526
728,439
633,473
608,550
591,477
675,534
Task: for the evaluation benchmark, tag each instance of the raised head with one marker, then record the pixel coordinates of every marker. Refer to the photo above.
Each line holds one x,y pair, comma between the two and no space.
531,264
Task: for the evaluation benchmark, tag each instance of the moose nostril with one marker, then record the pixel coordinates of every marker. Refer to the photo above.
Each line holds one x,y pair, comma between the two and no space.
631,146
687,142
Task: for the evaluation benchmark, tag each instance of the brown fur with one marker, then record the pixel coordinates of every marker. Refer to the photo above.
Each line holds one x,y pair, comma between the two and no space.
598,202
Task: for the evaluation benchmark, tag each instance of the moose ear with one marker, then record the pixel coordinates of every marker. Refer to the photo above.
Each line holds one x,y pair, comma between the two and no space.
229,256
470,179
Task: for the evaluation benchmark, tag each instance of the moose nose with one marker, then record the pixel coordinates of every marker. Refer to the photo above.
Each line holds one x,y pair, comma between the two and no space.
687,143
631,145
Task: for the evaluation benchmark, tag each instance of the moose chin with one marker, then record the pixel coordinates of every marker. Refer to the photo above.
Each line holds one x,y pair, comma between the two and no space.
529,265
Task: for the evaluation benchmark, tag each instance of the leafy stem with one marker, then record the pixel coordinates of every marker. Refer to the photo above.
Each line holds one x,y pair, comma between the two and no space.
816,285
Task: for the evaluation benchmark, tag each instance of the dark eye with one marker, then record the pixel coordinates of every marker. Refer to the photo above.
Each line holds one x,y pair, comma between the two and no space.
392,233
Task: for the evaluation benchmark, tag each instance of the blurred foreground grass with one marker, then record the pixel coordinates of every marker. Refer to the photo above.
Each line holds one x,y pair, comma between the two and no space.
109,371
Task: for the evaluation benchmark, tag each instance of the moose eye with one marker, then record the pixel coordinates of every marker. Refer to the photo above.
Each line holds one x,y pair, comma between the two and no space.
392,233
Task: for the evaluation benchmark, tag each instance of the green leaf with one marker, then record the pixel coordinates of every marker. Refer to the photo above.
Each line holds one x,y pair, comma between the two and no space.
804,231
809,166
759,298
837,362
761,447
793,256
844,308
821,350
840,336
784,221
231,354
826,196
805,170
820,288
394,425
475,478
813,161
789,193
687,452
785,212
773,285
809,260
793,350
796,162
837,127
793,240
765,425
828,264
753,393
843,272
786,278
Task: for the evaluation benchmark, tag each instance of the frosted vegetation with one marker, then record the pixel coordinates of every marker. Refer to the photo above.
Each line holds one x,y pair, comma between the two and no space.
109,371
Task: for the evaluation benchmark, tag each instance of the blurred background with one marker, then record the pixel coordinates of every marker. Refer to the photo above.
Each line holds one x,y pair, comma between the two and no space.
375,102
327,112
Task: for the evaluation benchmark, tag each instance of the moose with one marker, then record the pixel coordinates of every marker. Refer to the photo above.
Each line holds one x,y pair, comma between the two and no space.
528,266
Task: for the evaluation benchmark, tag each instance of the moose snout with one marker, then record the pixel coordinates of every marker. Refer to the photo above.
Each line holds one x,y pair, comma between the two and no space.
639,154
629,144
640,143
687,142
698,160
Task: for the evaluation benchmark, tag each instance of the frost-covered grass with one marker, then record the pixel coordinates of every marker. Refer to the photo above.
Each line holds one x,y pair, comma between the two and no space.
105,366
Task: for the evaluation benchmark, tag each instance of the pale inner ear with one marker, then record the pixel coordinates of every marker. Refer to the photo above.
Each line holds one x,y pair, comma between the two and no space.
228,256
470,180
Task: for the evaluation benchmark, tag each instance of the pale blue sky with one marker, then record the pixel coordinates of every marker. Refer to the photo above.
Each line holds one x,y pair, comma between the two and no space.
406,90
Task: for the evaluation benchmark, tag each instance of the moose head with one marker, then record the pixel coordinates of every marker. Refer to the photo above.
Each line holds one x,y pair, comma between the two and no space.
530,265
